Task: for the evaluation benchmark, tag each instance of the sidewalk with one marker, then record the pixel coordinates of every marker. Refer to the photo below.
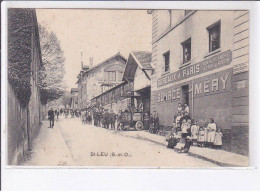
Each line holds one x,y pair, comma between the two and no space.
49,148
219,157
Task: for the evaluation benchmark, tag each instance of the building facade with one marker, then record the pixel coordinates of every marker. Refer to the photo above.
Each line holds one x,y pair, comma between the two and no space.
201,58
100,78
134,91
24,111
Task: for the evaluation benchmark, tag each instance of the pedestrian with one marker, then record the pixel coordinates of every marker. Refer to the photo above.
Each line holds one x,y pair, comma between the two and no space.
212,127
173,140
186,109
112,119
51,115
189,123
186,147
184,128
106,118
57,114
146,120
151,122
195,132
89,118
156,123
206,144
174,125
119,119
218,139
179,108
201,137
178,118
99,116
178,128
182,116
83,118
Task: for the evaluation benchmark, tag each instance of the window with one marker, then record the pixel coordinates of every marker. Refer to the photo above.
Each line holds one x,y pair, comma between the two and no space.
166,61
187,12
186,45
111,76
214,36
120,76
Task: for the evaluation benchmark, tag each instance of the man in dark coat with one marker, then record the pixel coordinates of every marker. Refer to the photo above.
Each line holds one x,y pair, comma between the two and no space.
51,116
112,119
156,122
106,119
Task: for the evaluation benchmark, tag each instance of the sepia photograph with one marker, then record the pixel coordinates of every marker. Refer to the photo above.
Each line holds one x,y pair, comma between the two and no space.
127,88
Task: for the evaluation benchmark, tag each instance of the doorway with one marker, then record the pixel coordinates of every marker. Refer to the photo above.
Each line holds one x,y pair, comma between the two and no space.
185,94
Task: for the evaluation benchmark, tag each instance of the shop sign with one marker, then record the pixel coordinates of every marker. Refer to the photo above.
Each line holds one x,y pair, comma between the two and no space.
240,68
214,62
211,84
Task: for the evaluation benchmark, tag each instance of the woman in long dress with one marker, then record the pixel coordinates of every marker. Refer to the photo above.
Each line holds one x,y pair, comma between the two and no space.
212,128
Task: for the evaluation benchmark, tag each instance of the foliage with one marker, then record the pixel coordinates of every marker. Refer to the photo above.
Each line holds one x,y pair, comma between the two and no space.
20,28
52,72
66,99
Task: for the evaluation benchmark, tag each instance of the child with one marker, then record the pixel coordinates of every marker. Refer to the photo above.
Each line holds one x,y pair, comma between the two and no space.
218,139
195,132
178,118
206,144
186,109
189,123
179,107
184,128
187,145
201,137
174,124
178,128
173,140
212,127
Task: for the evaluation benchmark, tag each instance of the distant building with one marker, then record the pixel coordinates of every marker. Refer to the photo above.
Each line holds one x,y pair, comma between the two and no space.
74,98
135,90
201,58
99,78
24,107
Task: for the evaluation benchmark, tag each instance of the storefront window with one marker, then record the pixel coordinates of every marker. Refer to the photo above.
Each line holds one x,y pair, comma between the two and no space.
186,45
214,36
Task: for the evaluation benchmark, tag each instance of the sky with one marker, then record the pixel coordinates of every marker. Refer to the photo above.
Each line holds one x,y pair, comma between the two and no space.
97,33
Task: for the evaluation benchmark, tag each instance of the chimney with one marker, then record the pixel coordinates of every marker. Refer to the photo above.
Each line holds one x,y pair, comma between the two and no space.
90,62
81,60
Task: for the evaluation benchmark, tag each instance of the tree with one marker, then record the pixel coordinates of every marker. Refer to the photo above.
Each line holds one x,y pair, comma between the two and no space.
20,30
52,72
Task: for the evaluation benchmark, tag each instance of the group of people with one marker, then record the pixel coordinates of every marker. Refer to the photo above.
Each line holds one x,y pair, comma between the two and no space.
101,117
189,130
184,128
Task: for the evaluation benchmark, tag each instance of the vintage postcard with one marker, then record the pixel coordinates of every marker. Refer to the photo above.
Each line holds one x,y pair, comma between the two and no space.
128,88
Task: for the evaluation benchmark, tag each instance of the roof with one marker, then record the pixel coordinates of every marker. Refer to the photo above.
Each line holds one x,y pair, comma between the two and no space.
141,59
99,64
144,58
116,55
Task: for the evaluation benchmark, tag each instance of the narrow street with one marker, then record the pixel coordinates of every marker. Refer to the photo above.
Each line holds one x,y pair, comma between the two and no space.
70,143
